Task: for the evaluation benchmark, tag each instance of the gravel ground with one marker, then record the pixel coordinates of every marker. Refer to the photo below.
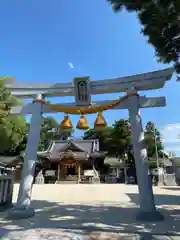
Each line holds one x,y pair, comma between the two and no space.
100,211
42,234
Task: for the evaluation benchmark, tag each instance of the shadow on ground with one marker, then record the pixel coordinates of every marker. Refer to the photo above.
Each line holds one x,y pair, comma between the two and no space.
90,217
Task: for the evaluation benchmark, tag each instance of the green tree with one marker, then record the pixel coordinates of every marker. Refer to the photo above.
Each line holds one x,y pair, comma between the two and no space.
50,130
63,134
104,137
154,145
13,129
115,140
160,22
121,143
153,140
120,138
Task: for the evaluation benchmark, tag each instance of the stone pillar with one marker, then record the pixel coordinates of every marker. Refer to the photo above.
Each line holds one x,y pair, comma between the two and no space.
79,172
148,210
59,172
23,207
117,172
125,174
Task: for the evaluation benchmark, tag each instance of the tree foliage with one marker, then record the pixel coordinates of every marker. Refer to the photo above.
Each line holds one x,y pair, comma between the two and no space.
153,140
104,137
13,129
160,20
120,137
50,130
116,140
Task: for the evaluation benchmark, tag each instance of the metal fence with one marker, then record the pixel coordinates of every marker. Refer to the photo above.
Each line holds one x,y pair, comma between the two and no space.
6,187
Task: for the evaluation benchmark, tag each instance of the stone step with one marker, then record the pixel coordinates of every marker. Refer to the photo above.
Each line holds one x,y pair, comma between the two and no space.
66,182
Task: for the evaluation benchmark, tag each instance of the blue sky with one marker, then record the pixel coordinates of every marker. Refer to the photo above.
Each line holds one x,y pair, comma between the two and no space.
39,39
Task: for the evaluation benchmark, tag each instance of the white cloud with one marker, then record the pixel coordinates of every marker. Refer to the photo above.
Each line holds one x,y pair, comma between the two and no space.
169,128
170,135
70,64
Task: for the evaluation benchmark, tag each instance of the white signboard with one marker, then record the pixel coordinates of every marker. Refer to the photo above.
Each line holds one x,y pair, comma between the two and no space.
50,173
89,173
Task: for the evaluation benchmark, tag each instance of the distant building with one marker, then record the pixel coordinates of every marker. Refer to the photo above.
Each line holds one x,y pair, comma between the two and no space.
171,154
72,160
176,168
67,160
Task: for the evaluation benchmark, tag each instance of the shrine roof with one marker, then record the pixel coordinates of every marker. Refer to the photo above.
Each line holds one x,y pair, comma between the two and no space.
114,161
8,160
79,149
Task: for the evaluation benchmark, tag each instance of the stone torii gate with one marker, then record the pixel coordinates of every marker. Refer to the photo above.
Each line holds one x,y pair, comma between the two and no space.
82,89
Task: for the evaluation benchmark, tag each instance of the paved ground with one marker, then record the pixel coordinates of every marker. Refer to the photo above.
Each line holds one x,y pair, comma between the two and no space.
96,193
93,212
67,234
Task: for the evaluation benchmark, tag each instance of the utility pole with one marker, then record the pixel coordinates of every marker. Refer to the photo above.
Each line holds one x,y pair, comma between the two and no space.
156,149
152,129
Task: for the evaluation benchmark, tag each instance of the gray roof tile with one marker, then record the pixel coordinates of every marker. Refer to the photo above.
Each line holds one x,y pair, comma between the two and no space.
80,148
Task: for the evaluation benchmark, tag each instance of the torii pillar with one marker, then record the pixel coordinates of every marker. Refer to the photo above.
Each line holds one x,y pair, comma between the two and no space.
23,207
147,211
